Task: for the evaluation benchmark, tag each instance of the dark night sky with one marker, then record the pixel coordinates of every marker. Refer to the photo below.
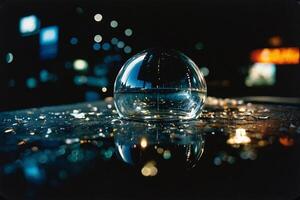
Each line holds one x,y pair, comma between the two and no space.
228,30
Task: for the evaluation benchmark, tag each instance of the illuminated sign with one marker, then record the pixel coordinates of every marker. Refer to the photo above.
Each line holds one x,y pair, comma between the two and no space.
279,56
261,74
29,25
49,35
49,42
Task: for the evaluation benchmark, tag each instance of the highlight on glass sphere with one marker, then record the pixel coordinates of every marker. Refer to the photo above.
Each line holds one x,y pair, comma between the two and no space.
159,85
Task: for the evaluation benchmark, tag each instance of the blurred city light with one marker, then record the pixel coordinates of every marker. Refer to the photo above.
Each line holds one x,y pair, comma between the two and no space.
96,46
97,38
106,46
114,40
101,70
29,25
275,41
205,71
74,40
240,137
49,35
44,75
120,44
98,17
91,81
127,49
32,171
92,96
104,89
261,74
289,55
199,46
128,32
80,80
49,42
31,83
80,65
9,58
149,169
144,142
97,82
114,24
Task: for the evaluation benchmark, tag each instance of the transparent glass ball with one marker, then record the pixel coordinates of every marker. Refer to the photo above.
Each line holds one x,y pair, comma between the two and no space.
159,85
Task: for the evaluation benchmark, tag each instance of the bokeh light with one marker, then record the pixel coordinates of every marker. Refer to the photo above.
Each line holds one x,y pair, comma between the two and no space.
114,24
98,38
9,58
205,71
74,40
98,17
128,32
80,65
96,46
127,49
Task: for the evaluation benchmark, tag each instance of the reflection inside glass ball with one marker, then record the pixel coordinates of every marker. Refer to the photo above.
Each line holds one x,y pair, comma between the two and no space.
154,148
159,84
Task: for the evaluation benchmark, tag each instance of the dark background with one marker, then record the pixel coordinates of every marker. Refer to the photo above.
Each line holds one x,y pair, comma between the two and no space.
226,33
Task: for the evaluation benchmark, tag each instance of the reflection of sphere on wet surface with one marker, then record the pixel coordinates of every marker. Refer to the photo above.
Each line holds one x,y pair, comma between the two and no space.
154,149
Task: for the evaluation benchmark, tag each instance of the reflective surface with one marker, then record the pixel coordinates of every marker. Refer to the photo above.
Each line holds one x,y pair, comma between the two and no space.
159,84
84,150
159,145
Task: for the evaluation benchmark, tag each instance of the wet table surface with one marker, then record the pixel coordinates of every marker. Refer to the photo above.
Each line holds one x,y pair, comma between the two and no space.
236,150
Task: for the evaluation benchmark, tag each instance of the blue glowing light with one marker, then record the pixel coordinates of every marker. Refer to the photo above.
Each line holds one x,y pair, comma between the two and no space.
97,82
44,75
128,32
96,46
29,25
92,96
100,70
106,46
49,35
9,58
31,83
120,44
112,58
49,42
48,51
80,80
74,40
32,172
127,49
114,40
90,81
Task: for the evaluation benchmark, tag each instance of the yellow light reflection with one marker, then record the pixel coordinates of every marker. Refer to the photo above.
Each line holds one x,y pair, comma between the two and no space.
144,143
149,169
240,137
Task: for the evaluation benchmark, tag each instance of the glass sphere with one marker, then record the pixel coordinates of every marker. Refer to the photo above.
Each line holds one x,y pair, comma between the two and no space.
159,84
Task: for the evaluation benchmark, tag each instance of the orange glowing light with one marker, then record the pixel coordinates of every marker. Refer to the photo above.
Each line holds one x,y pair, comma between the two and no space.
286,141
275,41
289,55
